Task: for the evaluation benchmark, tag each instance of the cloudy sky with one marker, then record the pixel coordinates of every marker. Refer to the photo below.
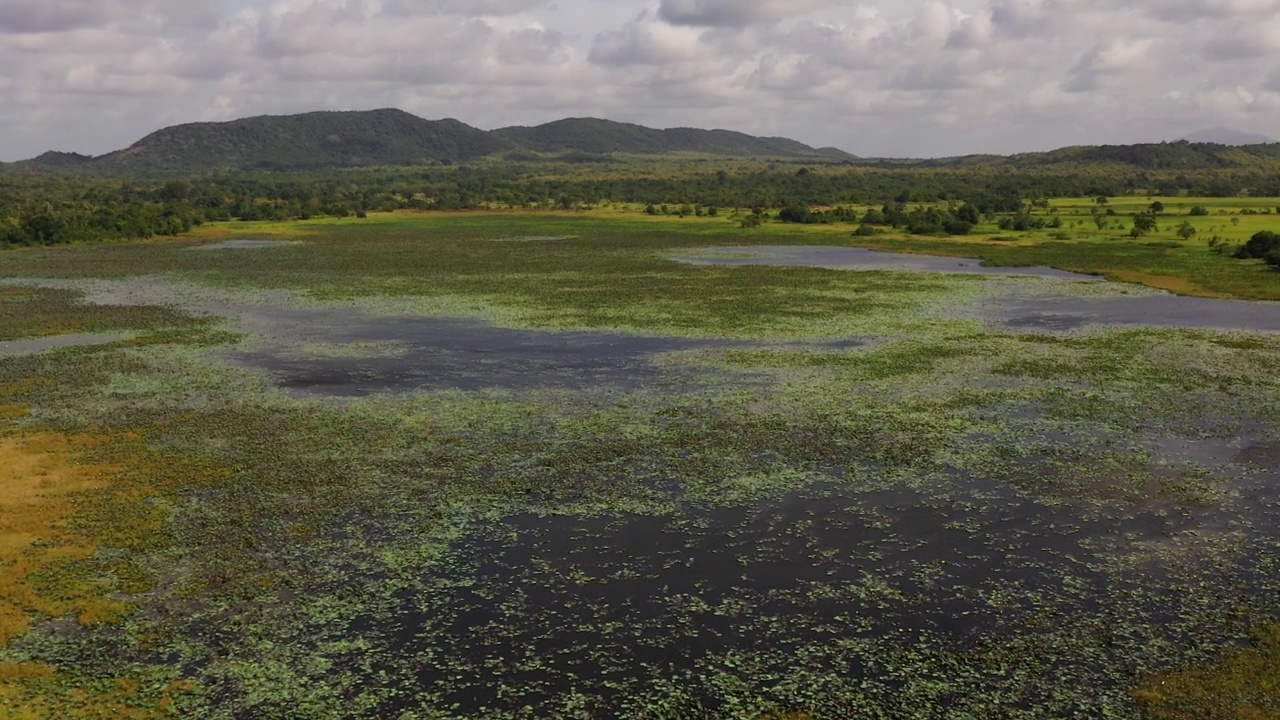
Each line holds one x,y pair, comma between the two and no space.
875,77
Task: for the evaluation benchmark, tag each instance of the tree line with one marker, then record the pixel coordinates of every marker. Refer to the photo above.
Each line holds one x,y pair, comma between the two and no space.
43,210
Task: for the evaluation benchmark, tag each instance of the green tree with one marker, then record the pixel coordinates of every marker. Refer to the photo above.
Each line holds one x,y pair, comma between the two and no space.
1143,223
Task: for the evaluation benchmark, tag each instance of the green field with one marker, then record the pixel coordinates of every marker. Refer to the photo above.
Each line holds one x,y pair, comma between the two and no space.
519,465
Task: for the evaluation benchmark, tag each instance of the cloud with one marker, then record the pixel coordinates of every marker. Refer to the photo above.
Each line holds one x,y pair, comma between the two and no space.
735,13
914,77
644,42
39,16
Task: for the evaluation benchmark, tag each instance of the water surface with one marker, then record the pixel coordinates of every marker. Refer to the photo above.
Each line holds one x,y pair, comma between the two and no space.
850,258
33,346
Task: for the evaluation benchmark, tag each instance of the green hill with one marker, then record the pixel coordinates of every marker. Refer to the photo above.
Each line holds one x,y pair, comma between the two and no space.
326,140
316,140
592,135
330,140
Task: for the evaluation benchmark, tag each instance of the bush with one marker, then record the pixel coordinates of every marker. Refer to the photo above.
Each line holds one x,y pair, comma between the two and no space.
924,228
1260,245
875,217
795,214
1273,258
958,227
1199,211
865,231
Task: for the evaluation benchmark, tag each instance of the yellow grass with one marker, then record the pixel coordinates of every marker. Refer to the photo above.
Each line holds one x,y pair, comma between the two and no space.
46,483
38,484
1245,685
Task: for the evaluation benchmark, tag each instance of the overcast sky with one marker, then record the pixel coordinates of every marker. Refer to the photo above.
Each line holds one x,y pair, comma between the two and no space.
882,77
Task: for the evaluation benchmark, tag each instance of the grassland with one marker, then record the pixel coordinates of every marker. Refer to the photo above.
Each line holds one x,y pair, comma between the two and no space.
946,517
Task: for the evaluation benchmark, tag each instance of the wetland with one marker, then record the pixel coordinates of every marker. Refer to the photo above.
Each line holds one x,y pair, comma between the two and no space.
393,468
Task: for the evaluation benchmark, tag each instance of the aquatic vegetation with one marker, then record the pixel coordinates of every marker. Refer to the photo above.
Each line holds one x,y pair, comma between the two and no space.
576,479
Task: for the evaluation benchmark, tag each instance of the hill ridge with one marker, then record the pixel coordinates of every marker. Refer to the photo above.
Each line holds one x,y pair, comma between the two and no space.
334,139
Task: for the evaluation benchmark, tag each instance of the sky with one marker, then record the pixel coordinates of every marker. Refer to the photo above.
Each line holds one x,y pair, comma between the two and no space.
904,78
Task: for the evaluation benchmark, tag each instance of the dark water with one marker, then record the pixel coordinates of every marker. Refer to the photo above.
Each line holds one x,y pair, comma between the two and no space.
1069,313
244,244
400,354
847,258
604,602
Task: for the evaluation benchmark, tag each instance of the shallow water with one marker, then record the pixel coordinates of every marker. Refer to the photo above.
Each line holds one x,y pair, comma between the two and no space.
604,602
1051,312
401,354
242,244
1164,310
848,258
32,346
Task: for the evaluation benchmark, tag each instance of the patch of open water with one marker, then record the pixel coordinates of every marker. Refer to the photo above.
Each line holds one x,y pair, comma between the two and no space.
401,354
849,258
245,244
1040,311
1163,310
32,346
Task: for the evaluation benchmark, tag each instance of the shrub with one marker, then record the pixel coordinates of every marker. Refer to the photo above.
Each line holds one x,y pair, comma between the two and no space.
1260,245
1199,211
958,227
795,214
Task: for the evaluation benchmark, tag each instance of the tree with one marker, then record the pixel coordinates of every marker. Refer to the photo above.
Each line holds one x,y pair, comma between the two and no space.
1156,207
1101,200
1186,230
968,213
1199,211
1143,223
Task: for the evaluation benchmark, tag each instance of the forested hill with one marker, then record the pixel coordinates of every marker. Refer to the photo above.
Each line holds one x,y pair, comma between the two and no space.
312,141
325,140
332,140
591,135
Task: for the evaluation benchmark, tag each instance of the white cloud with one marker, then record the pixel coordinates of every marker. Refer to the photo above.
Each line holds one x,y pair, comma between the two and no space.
915,77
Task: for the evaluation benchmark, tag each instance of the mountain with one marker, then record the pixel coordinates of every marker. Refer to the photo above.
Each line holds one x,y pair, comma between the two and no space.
1226,136
326,140
592,135
59,159
311,141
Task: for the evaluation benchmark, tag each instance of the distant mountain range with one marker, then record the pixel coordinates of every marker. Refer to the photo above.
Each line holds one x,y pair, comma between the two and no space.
1226,136
326,140
330,140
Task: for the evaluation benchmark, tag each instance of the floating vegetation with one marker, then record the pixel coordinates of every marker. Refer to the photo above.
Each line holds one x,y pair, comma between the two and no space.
585,481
